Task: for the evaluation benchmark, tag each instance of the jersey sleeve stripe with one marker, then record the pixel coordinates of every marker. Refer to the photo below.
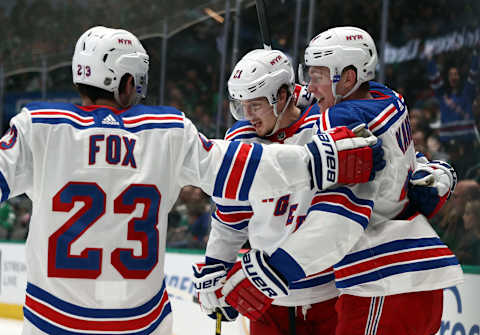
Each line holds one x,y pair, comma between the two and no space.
339,210
224,169
252,166
230,209
344,201
4,188
237,171
313,281
233,217
237,226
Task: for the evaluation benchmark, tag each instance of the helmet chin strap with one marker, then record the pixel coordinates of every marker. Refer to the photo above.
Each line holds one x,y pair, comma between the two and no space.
277,115
339,97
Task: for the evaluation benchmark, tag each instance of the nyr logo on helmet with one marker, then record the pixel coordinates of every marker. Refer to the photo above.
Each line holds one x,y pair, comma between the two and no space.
124,41
353,37
276,60
9,139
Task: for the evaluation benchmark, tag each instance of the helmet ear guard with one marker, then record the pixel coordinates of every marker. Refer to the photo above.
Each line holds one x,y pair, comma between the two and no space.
260,73
103,56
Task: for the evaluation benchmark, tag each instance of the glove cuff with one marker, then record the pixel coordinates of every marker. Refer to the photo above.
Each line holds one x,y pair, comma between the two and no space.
324,161
262,276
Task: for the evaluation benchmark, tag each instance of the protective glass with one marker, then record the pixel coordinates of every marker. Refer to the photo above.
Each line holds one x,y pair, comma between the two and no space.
240,109
307,75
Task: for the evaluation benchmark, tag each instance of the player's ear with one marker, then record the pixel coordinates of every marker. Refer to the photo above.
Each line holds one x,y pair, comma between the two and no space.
282,94
127,90
349,77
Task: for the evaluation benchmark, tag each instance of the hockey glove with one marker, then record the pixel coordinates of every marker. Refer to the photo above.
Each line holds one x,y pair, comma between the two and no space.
431,185
344,156
208,281
252,284
302,97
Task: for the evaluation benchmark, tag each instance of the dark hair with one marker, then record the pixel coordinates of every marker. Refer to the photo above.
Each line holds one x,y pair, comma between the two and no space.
95,93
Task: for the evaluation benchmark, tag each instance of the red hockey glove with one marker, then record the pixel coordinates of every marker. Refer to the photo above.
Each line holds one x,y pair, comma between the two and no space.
344,156
252,284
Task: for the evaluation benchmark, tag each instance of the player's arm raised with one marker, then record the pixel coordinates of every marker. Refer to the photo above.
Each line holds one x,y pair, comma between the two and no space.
239,171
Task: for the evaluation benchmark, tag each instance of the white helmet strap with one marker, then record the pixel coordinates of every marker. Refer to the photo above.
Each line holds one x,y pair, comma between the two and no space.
339,97
277,115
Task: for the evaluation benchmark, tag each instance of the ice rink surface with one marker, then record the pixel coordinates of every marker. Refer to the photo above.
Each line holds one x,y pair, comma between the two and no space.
10,327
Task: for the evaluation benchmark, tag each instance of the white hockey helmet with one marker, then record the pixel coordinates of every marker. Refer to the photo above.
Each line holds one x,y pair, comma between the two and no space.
338,48
260,73
103,55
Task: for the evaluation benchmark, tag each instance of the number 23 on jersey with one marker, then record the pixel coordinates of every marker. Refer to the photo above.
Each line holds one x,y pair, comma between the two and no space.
88,264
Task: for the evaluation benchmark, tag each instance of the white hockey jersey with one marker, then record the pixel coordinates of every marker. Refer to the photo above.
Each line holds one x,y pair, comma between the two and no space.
267,222
102,182
360,230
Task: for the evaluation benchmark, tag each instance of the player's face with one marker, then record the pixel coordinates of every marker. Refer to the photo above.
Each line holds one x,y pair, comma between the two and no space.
260,114
321,86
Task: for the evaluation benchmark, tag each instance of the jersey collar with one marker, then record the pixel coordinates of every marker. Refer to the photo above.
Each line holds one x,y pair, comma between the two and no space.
282,134
91,108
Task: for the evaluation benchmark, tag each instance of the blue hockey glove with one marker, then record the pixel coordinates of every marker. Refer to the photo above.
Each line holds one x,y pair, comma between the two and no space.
431,185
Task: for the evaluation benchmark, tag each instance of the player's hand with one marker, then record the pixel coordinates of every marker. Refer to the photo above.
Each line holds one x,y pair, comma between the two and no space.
344,156
431,185
208,281
252,284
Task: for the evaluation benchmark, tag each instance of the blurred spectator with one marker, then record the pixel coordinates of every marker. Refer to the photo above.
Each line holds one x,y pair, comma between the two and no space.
456,118
191,231
418,137
435,149
449,221
468,250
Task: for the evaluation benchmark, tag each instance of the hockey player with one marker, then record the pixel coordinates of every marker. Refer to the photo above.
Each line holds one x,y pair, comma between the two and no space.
263,92
389,267
103,177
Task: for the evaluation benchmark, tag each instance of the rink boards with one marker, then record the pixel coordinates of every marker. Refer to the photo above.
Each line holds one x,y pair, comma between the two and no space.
461,314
